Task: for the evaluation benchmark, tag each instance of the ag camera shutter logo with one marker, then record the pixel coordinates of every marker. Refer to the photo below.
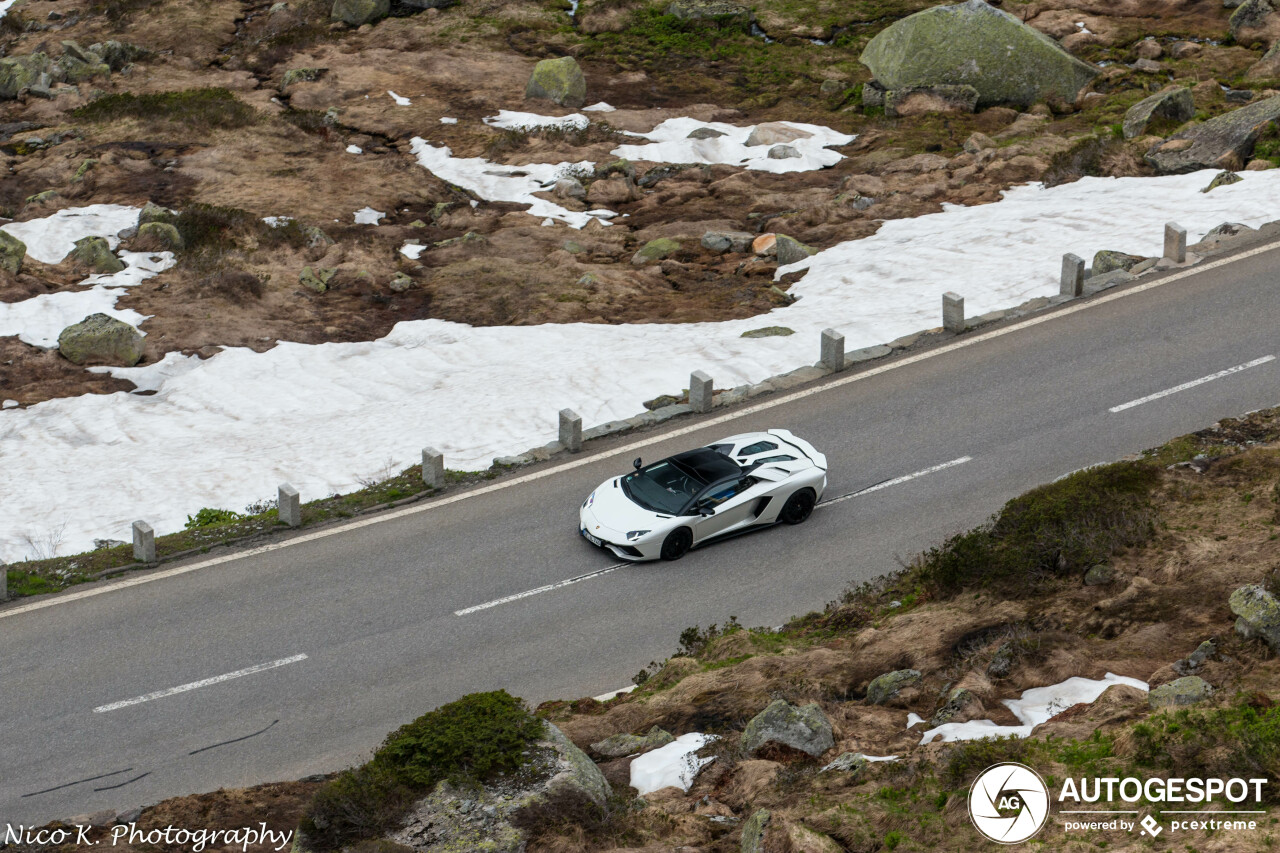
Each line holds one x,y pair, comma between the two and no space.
1009,803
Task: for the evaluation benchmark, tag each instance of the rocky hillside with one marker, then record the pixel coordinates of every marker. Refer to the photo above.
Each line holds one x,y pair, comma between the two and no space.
810,738
229,112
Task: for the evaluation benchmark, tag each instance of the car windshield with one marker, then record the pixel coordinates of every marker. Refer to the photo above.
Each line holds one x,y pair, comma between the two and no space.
662,487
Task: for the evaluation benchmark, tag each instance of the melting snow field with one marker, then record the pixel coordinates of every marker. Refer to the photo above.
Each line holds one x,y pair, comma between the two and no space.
669,143
1036,706
673,765
226,431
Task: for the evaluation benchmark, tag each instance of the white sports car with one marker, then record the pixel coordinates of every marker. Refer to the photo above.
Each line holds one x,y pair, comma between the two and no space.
661,510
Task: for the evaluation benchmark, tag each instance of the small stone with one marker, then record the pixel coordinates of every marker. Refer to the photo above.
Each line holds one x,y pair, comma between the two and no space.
158,237
569,188
765,246
1101,575
704,133
617,746
655,250
789,250
783,152
94,253
400,283
316,279
1259,614
1222,179
727,241
768,332
850,762
1002,661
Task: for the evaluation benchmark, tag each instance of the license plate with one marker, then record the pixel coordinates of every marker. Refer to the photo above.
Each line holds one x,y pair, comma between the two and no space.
593,540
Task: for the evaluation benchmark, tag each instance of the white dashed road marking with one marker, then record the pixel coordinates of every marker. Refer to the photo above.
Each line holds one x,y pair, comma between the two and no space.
1193,383
898,480
217,679
548,588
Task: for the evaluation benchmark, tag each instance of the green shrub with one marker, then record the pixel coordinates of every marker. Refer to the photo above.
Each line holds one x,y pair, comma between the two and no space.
1055,529
359,803
475,737
1242,740
209,517
201,109
965,760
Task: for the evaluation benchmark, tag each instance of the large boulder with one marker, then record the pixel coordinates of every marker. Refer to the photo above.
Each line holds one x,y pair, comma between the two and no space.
558,80
102,340
119,54
1259,614
753,831
775,132
353,13
1224,142
77,64
479,817
12,251
95,255
790,250
975,44
806,729
23,72
1255,21
1173,104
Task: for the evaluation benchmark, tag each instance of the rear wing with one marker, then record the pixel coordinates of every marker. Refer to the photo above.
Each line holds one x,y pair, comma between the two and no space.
801,445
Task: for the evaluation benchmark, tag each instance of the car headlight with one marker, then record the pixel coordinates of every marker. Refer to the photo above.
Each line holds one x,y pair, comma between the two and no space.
635,534
590,499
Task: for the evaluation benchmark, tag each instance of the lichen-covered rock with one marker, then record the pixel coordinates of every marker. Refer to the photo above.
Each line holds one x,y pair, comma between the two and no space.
1188,690
353,13
790,250
1224,142
560,81
1254,21
12,251
723,12
727,241
960,704
655,250
768,332
1196,659
921,100
783,152
975,44
806,729
569,188
1105,261
158,237
1002,661
1259,614
400,283
316,279
1222,179
978,142
753,832
1174,104
119,54
23,72
884,687
1267,68
100,339
155,213
617,746
574,770
77,64
300,75
705,133
94,253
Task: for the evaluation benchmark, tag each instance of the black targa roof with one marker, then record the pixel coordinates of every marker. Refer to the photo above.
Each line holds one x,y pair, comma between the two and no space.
706,465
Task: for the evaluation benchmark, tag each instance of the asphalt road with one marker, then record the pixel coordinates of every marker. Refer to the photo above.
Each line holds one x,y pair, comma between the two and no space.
374,610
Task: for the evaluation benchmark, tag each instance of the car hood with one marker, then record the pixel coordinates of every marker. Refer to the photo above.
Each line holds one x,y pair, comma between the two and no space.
613,509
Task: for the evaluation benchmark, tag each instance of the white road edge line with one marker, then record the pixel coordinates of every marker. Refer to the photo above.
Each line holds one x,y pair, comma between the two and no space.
1193,383
898,480
628,449
548,588
217,679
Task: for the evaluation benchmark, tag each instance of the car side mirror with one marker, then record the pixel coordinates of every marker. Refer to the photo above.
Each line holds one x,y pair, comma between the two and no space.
637,463
706,511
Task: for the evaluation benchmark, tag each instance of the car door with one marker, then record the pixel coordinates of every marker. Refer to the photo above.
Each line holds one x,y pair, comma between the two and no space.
732,503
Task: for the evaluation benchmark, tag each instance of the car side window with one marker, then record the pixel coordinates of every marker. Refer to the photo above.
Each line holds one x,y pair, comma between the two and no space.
720,495
758,447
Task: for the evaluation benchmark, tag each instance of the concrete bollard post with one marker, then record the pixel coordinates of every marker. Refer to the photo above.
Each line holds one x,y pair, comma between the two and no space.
832,350
4,582
571,430
700,391
144,542
1072,275
1175,242
953,312
289,504
433,467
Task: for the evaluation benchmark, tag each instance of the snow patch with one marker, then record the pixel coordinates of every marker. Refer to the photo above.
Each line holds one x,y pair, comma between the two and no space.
1036,706
400,100
674,765
354,149
510,120
52,238
599,107
412,250
448,120
368,216
669,143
